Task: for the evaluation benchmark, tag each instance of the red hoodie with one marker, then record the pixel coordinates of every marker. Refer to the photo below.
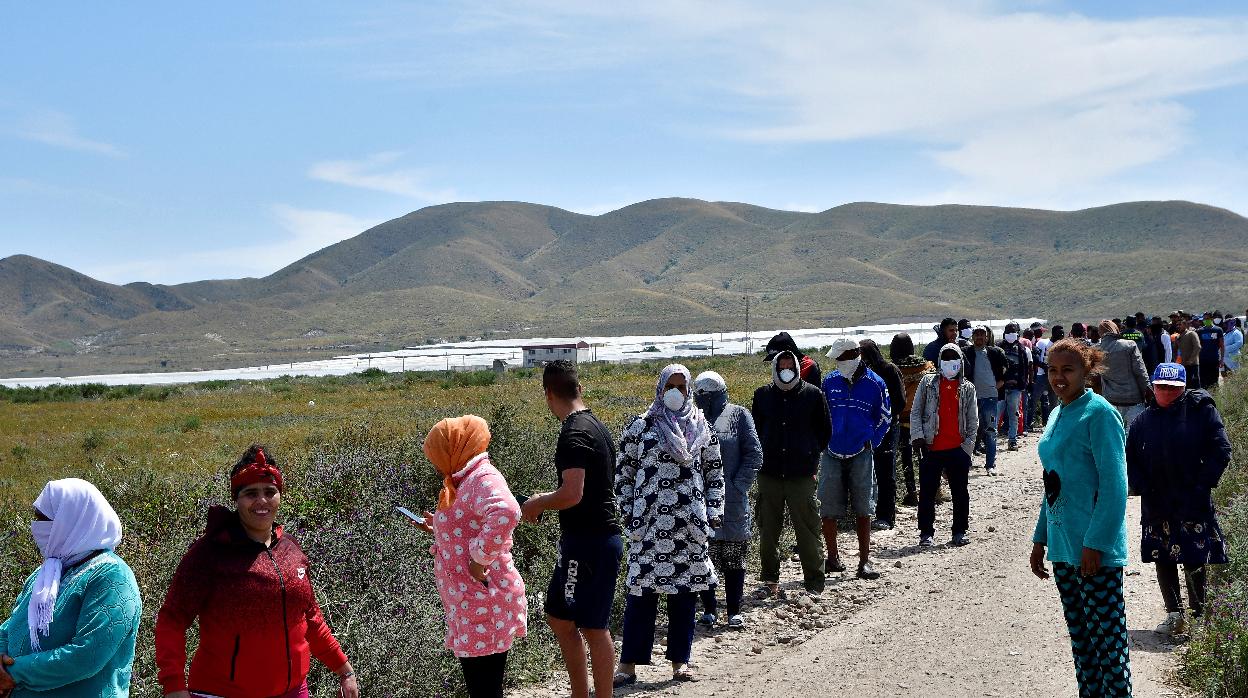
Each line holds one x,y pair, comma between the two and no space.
259,623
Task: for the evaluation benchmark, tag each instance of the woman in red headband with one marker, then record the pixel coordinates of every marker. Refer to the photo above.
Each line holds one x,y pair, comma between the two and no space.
249,586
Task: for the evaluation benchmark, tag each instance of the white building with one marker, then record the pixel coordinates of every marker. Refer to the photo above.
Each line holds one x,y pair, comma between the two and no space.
542,354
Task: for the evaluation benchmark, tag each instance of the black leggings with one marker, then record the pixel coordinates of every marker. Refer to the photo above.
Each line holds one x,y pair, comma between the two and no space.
484,675
1168,580
734,589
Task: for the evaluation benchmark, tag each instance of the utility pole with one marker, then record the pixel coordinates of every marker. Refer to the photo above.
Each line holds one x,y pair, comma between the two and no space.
749,340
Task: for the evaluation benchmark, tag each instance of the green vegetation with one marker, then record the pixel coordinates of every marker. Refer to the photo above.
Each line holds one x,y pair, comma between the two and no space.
349,459
1216,661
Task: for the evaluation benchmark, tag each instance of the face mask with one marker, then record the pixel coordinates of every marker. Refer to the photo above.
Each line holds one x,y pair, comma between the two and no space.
966,333
1165,398
1217,321
674,399
787,375
949,369
42,532
1011,337
848,367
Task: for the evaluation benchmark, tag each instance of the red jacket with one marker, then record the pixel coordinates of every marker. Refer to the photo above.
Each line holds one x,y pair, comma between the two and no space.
259,623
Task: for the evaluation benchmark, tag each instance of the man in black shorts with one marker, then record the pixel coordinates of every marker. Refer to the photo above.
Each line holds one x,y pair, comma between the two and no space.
582,588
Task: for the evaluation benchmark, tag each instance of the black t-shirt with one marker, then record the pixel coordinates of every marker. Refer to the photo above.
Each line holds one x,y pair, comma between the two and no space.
584,442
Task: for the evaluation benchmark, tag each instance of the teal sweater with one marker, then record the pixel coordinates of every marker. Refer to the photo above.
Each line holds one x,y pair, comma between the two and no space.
90,648
1083,451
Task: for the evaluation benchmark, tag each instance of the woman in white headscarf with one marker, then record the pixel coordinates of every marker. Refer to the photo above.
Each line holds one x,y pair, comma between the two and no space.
73,627
669,485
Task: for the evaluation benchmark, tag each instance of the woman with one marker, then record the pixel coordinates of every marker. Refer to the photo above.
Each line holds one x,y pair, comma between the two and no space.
1234,345
74,624
249,585
482,592
1175,482
1083,520
669,485
913,368
742,455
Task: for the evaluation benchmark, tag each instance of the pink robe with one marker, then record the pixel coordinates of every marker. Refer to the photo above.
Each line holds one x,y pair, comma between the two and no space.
481,619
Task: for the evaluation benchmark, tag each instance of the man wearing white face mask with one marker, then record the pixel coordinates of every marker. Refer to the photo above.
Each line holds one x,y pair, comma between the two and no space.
943,421
74,625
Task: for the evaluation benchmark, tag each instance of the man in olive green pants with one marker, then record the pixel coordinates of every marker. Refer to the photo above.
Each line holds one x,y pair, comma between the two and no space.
793,427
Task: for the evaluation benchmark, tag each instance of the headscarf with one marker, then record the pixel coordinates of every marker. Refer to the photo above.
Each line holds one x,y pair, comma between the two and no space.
262,469
710,391
450,445
1108,327
82,522
685,432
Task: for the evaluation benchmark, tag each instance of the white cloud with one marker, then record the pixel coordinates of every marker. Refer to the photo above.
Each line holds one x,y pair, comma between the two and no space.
58,129
372,173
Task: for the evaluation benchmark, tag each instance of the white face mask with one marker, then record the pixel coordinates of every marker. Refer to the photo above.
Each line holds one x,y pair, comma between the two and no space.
1011,337
966,333
949,369
787,375
1217,321
848,367
674,399
42,532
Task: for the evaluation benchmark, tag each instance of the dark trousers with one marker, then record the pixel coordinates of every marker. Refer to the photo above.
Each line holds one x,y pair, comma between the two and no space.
734,590
1193,377
640,614
1096,616
907,458
885,460
484,675
956,466
1209,372
1168,580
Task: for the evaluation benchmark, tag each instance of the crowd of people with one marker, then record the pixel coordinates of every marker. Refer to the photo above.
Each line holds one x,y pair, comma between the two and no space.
1123,405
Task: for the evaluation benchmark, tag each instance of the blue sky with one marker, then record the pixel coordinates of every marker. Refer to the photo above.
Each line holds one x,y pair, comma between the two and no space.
169,142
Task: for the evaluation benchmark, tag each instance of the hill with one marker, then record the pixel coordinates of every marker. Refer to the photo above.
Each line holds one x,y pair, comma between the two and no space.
511,268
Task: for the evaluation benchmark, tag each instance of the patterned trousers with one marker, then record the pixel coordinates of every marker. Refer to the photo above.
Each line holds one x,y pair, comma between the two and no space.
1096,616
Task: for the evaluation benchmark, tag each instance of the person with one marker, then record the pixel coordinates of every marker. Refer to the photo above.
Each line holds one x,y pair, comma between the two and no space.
1057,334
1082,520
582,586
793,427
809,367
884,457
669,485
1124,379
1175,482
901,351
481,590
1234,345
1079,332
1190,350
944,419
1016,380
1156,345
1094,335
74,624
1128,331
946,332
860,412
1212,351
1042,398
250,586
742,455
985,368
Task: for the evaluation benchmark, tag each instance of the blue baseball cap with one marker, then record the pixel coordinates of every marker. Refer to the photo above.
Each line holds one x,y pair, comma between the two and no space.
1170,374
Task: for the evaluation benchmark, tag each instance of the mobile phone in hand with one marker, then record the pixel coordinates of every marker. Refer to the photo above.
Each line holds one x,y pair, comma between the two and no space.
408,513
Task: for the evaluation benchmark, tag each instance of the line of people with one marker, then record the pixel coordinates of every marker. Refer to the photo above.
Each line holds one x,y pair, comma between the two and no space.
670,500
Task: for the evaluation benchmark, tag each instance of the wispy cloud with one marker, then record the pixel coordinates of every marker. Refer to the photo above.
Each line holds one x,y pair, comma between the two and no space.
375,173
58,129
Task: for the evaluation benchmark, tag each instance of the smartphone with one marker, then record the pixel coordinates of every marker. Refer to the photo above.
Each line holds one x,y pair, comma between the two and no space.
408,513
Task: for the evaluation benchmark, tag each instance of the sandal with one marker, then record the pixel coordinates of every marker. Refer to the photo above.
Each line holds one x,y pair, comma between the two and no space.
684,675
621,679
766,591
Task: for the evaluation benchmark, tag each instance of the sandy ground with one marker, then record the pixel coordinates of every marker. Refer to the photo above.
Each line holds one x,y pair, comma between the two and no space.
947,621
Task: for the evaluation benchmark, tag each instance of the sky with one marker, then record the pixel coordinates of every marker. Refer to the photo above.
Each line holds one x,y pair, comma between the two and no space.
173,142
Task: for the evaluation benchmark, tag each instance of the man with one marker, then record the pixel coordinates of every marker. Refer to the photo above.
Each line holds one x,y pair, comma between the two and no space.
1212,350
964,332
1189,351
1079,332
946,333
1017,379
1124,382
1042,397
1130,332
1156,344
985,368
582,587
792,421
943,423
809,368
860,415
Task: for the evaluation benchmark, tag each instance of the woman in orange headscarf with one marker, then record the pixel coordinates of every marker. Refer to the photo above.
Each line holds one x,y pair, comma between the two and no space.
481,590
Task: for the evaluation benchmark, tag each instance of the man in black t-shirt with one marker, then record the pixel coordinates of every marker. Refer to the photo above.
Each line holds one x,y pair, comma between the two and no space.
582,588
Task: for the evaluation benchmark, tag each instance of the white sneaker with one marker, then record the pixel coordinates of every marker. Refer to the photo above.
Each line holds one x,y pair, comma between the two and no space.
1174,624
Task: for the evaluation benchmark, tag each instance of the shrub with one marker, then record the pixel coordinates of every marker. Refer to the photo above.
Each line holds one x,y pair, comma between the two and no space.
191,423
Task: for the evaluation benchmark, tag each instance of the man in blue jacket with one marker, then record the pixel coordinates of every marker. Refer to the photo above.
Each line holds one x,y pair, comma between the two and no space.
860,412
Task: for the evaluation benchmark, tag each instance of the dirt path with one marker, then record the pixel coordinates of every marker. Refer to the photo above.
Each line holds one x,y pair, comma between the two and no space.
969,621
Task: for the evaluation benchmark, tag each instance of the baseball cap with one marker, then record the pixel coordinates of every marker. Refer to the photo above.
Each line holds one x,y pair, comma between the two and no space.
1170,374
842,345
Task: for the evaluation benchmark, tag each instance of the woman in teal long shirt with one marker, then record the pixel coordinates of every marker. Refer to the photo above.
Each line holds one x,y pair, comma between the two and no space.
1083,520
72,631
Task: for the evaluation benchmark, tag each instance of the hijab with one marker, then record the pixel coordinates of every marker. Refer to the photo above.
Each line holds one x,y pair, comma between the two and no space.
684,432
82,522
452,444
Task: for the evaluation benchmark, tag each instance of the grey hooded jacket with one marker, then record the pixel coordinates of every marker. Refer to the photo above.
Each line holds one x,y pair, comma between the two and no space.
743,456
925,411
1125,380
